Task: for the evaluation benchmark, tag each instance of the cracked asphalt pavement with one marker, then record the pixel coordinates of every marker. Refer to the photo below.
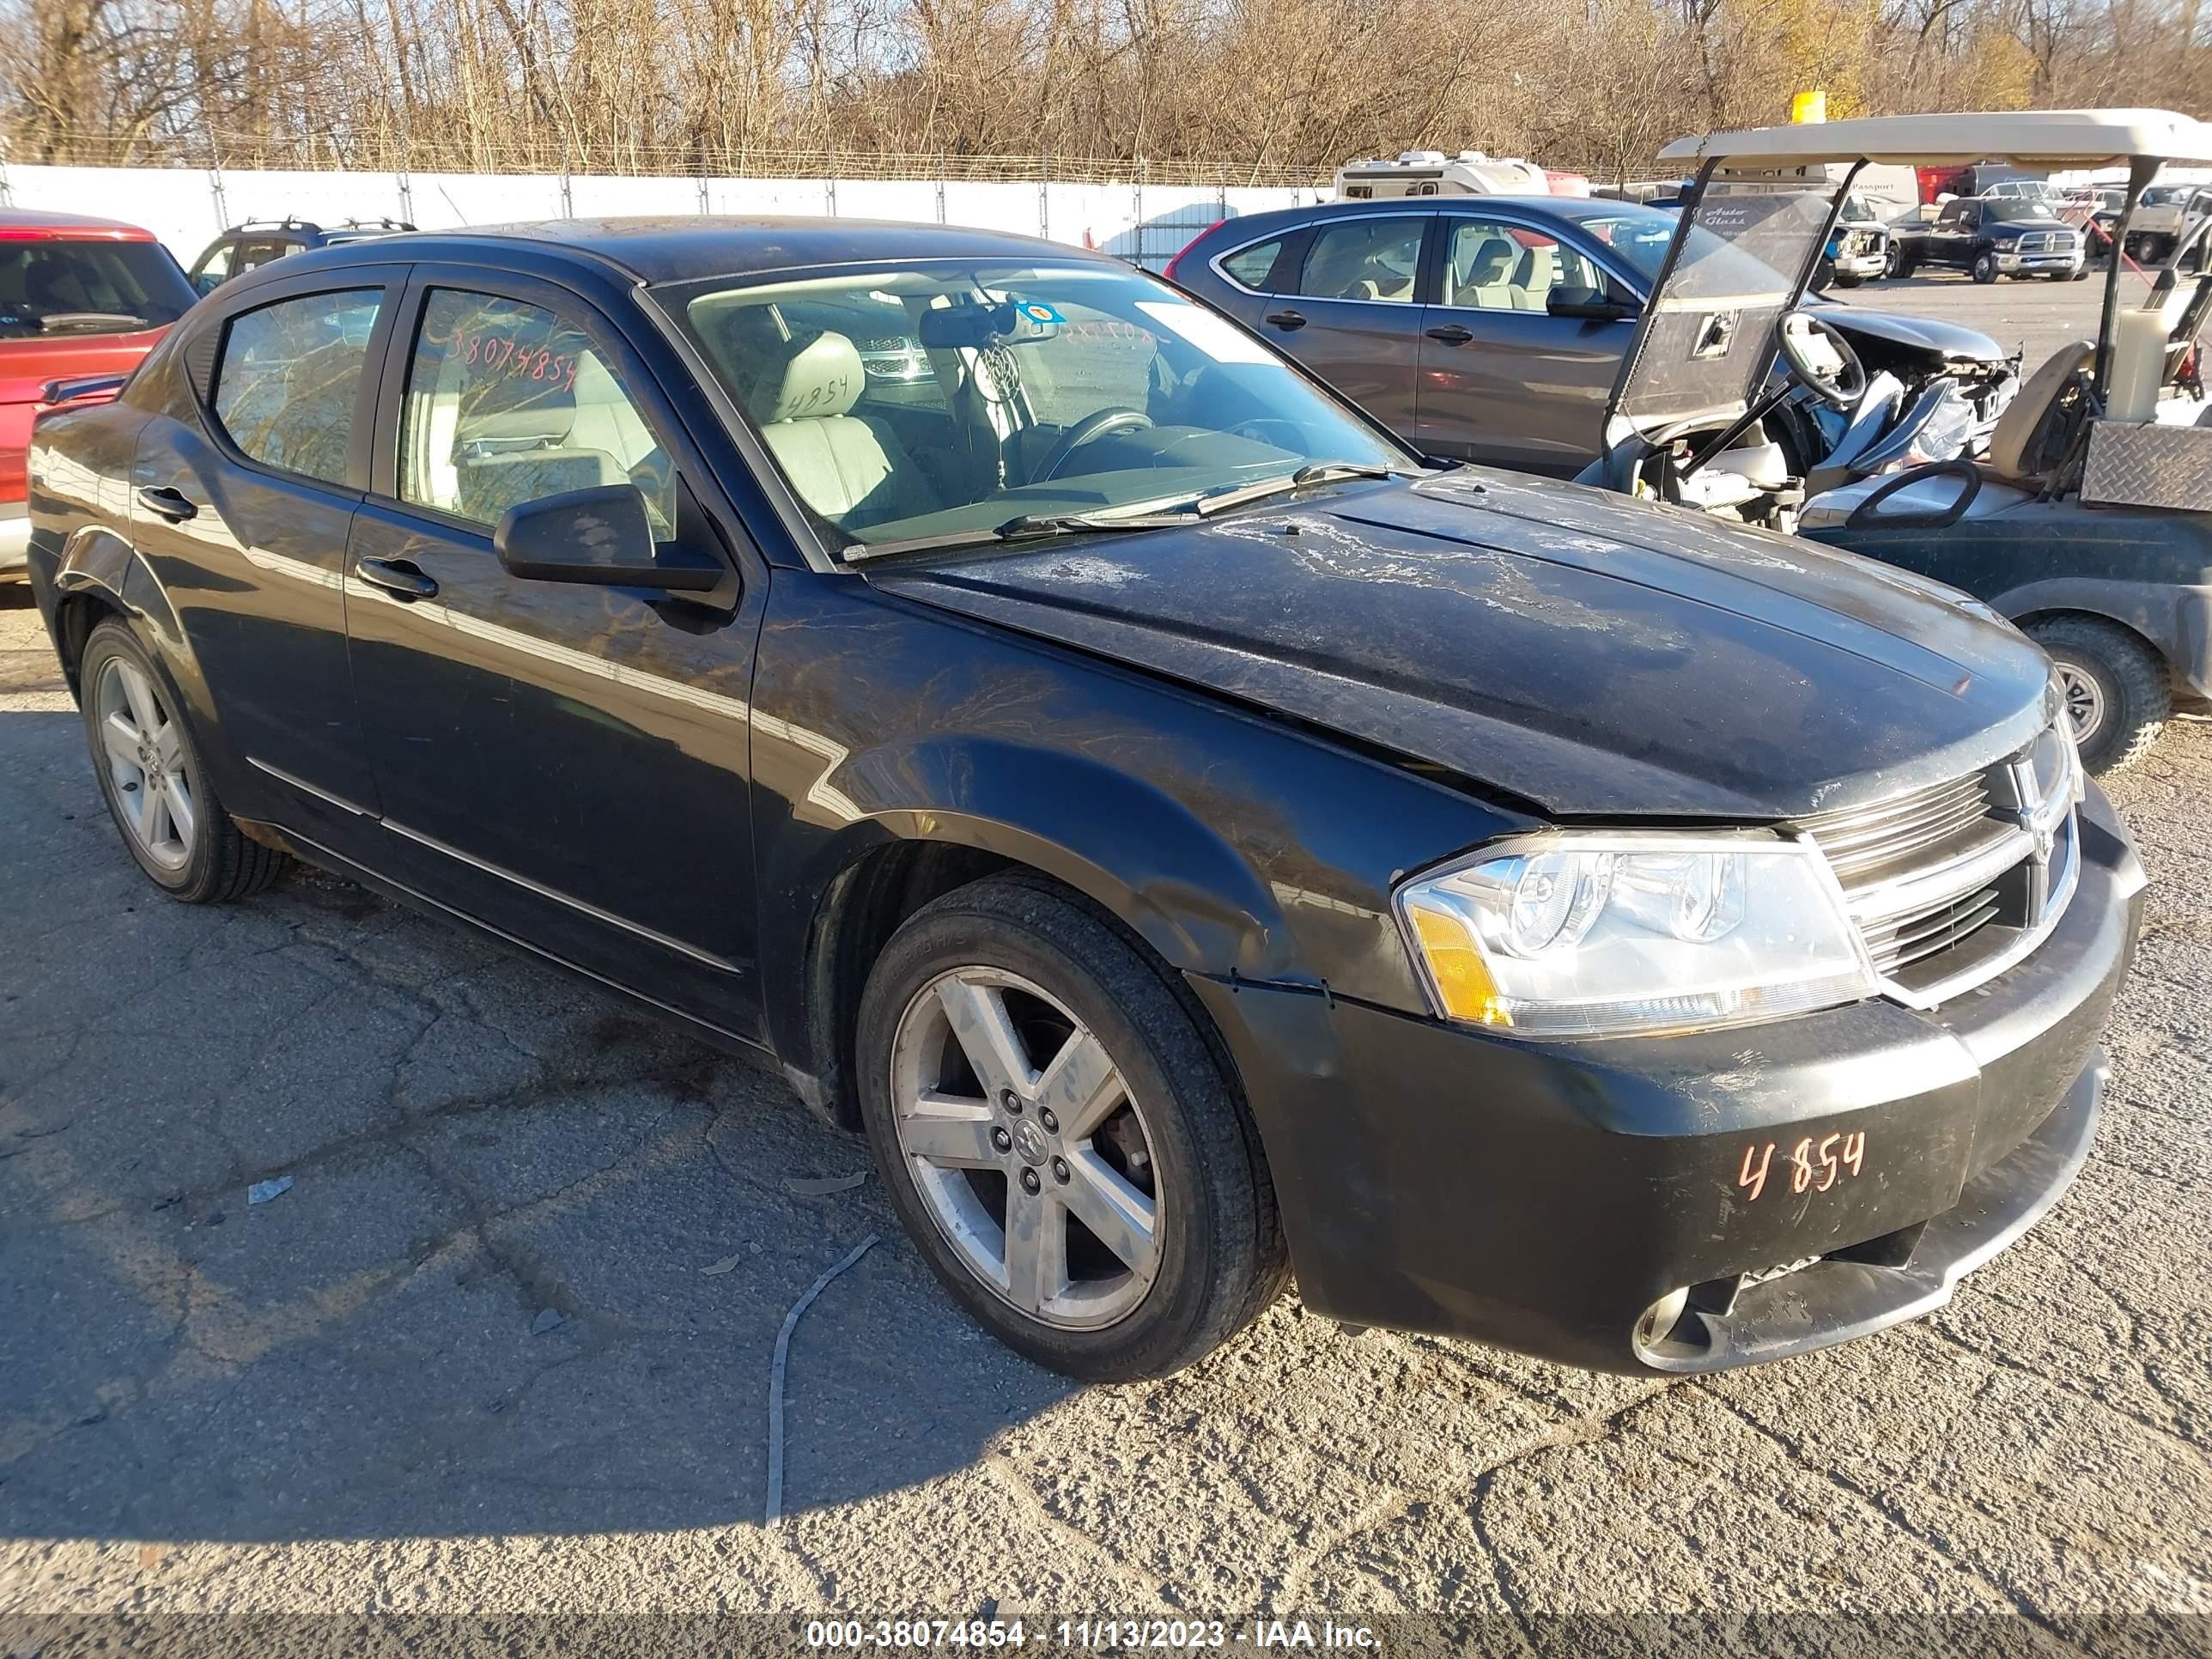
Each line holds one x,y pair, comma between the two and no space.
472,1361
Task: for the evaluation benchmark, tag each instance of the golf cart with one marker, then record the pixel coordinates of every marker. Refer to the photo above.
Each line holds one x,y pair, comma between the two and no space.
2088,523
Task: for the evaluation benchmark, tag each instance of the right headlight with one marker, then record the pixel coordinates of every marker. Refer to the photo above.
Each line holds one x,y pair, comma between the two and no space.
1573,933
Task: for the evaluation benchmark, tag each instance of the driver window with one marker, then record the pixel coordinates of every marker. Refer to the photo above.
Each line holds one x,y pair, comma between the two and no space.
1490,266
507,402
213,271
1364,259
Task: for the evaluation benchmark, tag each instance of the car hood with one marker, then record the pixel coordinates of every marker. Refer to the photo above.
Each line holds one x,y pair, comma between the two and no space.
1594,656
1946,340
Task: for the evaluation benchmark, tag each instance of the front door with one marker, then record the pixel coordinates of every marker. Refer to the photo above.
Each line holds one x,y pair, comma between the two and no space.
1353,319
1501,379
567,763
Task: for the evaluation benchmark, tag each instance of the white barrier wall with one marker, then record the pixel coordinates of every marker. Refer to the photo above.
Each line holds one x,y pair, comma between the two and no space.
187,209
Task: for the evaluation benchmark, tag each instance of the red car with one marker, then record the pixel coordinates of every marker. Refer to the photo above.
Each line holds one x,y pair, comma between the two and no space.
78,297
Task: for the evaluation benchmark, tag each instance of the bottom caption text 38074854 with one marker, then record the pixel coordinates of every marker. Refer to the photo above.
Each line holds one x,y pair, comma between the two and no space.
1090,1635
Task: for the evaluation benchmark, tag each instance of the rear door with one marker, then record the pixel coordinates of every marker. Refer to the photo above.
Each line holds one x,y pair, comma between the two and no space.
1502,380
567,763
1354,318
242,500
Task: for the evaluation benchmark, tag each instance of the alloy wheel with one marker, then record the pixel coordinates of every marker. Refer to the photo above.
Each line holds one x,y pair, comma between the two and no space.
1027,1147
156,801
2085,702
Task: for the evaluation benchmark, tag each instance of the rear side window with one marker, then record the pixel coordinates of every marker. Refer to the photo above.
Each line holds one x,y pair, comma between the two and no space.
1252,266
507,402
286,383
1364,259
60,288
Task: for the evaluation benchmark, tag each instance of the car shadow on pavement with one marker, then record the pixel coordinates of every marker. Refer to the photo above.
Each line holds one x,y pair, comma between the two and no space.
529,1271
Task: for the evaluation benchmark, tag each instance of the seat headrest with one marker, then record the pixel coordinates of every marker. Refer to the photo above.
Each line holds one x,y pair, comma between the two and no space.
818,379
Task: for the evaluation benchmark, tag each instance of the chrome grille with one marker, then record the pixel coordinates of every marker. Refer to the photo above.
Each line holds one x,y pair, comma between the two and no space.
2047,241
1903,940
1867,844
1951,884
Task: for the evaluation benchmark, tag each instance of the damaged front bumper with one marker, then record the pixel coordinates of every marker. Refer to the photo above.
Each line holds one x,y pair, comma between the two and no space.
1688,1203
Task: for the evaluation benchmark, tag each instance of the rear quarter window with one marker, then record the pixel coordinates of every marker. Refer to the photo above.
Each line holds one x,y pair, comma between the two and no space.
288,378
1254,266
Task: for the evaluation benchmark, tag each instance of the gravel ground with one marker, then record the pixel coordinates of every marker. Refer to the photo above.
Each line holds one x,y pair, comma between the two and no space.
503,1347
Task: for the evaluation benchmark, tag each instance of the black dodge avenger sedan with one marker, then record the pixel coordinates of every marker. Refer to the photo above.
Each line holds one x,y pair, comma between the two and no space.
1195,840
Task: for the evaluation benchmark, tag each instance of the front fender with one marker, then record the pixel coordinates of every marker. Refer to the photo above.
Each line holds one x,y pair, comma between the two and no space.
2175,617
1123,843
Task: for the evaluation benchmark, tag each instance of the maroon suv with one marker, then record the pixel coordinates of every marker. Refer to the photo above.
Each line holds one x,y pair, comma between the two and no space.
79,297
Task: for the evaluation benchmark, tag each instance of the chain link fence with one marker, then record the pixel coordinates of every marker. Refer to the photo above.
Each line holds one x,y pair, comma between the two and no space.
207,150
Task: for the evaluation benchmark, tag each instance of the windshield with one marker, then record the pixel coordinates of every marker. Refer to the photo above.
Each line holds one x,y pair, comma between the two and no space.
2001,208
52,287
1640,236
939,400
1707,340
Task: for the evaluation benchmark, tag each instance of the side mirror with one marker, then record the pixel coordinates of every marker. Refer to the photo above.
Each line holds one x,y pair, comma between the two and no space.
600,535
1591,304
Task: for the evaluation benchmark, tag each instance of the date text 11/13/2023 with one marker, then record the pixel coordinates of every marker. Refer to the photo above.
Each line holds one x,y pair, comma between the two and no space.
1087,1634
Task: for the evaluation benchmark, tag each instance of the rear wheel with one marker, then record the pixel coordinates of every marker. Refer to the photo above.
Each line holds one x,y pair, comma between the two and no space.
1059,1136
1986,268
2118,698
155,785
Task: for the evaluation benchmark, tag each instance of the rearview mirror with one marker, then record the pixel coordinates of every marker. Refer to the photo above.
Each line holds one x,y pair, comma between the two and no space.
601,535
975,327
1591,304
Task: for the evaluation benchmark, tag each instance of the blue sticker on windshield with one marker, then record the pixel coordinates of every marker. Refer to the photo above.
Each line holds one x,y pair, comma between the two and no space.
1038,311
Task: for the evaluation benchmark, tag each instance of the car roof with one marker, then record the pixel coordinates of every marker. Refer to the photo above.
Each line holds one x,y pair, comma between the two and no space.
29,224
673,250
1255,227
2080,138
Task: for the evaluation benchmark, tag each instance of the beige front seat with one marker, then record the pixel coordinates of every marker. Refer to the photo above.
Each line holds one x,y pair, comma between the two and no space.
2019,430
848,468
1484,275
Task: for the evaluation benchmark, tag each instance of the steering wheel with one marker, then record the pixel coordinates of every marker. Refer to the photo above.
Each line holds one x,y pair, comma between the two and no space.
1096,424
1822,360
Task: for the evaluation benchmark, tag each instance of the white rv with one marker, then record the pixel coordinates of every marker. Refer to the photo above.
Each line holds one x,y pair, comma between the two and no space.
1432,173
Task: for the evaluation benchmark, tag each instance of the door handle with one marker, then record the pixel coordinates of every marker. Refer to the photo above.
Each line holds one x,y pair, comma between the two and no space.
397,577
165,501
1451,334
1287,319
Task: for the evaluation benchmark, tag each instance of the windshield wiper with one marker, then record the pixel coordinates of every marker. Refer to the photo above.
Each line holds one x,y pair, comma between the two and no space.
1025,527
1054,523
1177,516
1313,473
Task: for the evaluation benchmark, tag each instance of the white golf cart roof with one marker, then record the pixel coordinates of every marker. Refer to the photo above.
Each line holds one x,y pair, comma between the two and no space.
2071,137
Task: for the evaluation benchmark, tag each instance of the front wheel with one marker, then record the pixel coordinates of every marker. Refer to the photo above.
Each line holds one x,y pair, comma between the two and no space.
1986,268
2118,698
1059,1138
1846,279
154,781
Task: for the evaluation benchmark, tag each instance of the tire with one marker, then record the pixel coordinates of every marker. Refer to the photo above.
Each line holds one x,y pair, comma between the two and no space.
1986,268
187,845
2081,272
2126,681
1844,279
1049,969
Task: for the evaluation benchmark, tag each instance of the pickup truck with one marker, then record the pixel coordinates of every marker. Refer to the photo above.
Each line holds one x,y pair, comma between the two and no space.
79,297
1989,237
